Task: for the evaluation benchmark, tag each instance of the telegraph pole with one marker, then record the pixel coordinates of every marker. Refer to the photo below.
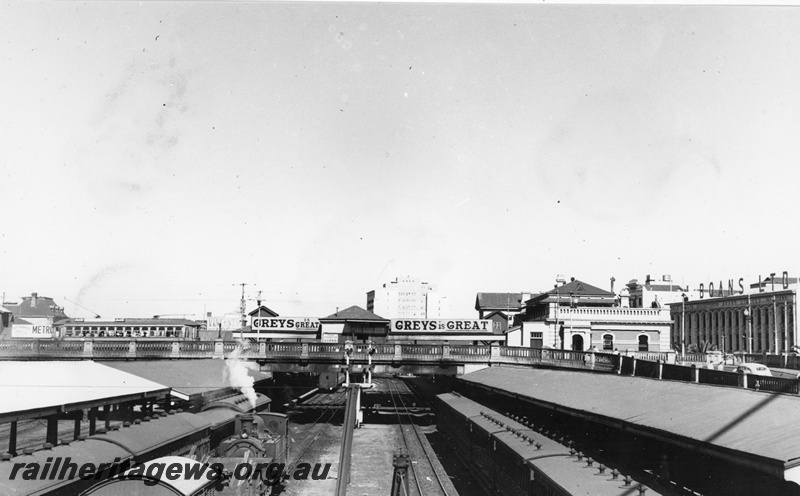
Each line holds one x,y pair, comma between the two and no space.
243,308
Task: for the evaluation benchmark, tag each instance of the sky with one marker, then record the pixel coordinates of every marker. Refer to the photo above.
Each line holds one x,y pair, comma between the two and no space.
155,156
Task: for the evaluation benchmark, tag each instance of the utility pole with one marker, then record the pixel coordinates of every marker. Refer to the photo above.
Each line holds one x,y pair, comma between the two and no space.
243,308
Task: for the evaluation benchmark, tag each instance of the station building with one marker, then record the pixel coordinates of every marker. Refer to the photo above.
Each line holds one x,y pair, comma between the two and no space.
578,316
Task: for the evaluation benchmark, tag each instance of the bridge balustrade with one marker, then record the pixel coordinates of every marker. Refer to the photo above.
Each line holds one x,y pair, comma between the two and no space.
650,365
646,368
677,372
153,349
283,349
60,348
196,349
18,347
775,384
718,377
424,353
605,361
108,349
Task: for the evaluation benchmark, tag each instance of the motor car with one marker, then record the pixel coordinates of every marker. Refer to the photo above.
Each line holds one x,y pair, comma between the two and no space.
754,368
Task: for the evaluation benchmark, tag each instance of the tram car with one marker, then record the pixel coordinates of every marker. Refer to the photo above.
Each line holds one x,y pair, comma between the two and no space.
512,457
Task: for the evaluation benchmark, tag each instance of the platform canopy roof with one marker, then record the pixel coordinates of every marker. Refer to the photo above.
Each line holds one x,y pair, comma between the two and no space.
755,429
188,379
36,389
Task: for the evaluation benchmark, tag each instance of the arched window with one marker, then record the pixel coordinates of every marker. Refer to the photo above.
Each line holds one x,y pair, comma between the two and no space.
644,343
608,342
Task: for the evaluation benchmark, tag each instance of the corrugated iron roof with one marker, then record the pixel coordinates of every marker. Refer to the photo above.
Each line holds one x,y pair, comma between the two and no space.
150,434
188,377
355,313
499,301
759,424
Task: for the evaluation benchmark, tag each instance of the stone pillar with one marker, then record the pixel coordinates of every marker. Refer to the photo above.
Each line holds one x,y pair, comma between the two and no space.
771,329
219,349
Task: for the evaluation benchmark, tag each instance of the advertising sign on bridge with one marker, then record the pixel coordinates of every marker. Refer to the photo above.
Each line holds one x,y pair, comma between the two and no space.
484,325
283,328
273,324
37,328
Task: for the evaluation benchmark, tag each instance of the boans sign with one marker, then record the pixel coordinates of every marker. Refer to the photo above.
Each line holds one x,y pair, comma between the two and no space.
720,291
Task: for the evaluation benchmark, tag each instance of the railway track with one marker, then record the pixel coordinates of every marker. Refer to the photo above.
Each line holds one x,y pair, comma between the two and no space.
426,479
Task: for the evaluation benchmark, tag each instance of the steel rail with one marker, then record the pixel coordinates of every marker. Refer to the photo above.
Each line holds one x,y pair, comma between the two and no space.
392,392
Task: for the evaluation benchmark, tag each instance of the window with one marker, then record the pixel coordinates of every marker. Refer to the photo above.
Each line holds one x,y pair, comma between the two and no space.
643,343
608,342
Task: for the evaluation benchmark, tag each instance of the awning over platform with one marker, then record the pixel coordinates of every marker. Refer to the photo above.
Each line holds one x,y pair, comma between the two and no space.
36,389
187,378
752,428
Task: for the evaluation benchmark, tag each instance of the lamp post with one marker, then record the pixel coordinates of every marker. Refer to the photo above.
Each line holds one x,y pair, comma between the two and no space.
775,324
748,318
573,302
683,325
558,303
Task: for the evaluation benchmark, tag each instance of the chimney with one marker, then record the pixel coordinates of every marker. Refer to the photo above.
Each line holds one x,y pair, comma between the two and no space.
248,426
34,299
612,283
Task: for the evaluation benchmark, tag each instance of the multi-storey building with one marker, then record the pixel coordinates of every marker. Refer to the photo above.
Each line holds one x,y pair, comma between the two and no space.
762,321
407,297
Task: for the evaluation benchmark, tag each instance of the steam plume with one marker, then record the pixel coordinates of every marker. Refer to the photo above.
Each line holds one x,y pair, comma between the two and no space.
235,374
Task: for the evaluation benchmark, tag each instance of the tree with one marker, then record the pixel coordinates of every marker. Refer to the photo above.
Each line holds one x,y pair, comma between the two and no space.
701,347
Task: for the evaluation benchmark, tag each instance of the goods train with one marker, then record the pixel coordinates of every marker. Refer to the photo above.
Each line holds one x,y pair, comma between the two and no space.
91,465
510,457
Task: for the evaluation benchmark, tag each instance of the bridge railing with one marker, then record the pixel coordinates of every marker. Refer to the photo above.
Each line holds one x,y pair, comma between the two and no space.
660,366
